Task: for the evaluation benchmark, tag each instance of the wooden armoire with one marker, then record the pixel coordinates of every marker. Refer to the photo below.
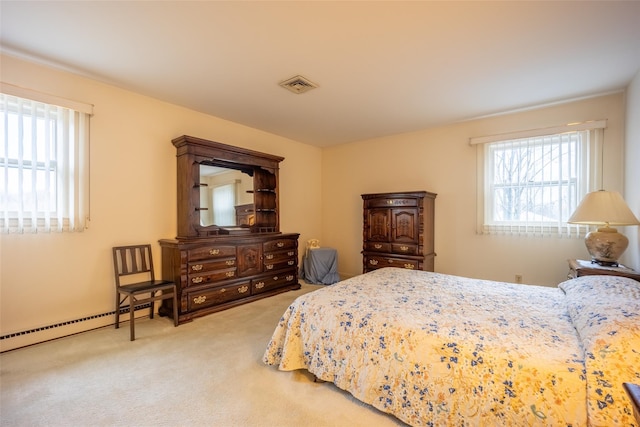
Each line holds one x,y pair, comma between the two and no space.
398,230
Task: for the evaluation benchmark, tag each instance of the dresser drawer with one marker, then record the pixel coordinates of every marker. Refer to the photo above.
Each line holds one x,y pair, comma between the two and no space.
279,264
280,255
266,283
391,202
377,246
400,248
198,299
211,252
205,266
210,277
279,244
374,262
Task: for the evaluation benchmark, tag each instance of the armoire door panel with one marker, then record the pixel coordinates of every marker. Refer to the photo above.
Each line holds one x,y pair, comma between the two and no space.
405,226
379,225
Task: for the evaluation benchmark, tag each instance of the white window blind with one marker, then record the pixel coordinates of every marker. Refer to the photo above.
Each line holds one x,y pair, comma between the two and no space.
224,208
44,163
529,183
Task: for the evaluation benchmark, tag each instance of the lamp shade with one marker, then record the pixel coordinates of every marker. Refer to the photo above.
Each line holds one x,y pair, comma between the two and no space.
603,208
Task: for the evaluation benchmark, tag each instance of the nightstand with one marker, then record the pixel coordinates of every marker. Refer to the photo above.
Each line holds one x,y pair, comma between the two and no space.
579,268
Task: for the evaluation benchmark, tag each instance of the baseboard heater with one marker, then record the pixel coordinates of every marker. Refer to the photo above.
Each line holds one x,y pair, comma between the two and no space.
123,310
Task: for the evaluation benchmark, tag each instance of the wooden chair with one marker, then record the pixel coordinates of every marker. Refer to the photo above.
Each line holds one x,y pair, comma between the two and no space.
136,260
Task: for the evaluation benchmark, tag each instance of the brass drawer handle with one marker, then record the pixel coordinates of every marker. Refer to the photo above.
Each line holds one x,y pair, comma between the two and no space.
243,289
200,299
289,277
373,261
230,273
230,262
290,253
259,285
280,244
377,246
291,262
269,266
275,277
409,266
269,256
196,267
214,251
198,279
404,248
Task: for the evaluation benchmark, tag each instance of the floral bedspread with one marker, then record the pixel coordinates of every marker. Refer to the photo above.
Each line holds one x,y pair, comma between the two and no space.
606,312
436,349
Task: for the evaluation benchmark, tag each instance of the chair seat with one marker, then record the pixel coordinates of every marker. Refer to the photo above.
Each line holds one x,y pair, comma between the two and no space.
147,286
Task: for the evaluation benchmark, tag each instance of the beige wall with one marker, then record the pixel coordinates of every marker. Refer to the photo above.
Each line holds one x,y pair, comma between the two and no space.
442,161
631,257
50,278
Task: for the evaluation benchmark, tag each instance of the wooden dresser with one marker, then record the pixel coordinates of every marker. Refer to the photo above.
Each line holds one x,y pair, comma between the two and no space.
216,274
229,250
398,230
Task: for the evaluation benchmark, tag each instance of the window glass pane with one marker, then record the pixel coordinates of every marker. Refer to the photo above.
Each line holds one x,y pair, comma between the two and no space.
533,179
23,163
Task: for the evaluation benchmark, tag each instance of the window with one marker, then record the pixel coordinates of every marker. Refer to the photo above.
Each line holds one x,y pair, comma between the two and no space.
43,164
531,182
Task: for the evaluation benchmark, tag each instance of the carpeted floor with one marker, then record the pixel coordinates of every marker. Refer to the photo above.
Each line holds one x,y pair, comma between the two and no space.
205,373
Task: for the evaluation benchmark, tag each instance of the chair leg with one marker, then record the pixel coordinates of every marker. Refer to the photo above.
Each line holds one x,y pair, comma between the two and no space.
132,310
117,309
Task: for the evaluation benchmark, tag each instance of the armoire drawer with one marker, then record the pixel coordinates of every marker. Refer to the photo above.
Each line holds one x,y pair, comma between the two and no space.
399,248
381,261
377,246
391,202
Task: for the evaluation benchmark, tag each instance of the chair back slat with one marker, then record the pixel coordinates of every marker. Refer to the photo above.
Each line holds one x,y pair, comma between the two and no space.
135,259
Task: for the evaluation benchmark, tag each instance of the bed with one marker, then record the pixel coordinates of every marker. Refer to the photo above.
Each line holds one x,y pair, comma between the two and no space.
435,349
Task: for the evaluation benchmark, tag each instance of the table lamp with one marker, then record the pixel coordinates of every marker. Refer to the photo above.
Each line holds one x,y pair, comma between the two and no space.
604,208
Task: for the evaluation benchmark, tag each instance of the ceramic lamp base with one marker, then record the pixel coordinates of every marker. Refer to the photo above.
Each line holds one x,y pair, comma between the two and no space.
606,245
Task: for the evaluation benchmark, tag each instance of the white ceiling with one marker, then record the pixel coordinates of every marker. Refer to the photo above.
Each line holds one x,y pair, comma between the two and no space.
382,67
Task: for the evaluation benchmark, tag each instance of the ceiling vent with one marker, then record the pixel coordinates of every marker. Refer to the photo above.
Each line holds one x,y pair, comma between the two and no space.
298,84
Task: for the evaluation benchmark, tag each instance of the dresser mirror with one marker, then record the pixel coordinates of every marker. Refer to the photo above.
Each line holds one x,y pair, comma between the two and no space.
224,189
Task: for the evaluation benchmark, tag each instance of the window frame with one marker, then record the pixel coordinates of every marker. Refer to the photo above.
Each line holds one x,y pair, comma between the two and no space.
65,162
589,178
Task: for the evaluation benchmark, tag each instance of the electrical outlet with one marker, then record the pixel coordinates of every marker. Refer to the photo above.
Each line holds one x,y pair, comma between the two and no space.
518,278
